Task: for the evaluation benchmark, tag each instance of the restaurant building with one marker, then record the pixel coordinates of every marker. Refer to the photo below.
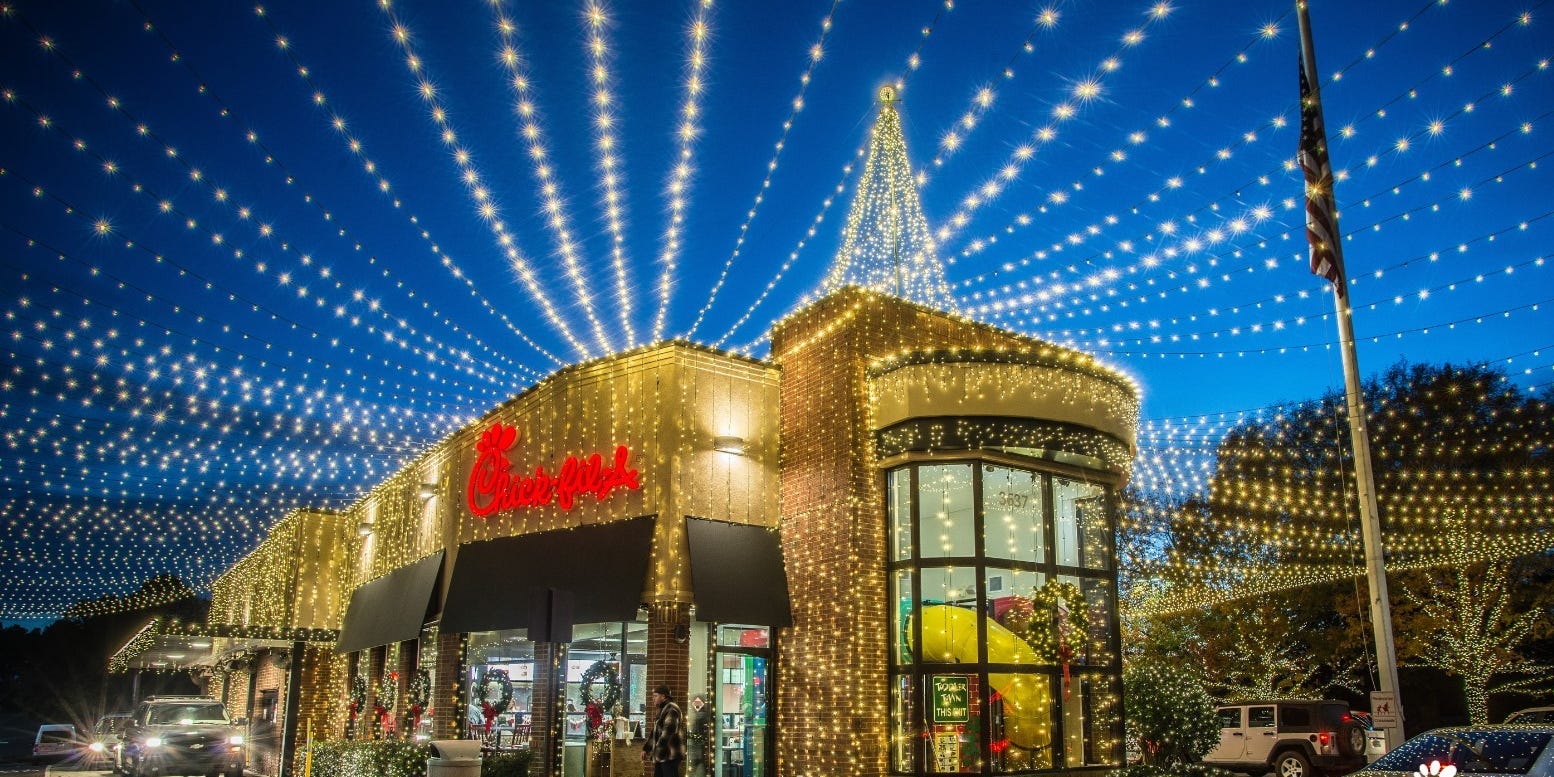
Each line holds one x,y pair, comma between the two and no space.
888,549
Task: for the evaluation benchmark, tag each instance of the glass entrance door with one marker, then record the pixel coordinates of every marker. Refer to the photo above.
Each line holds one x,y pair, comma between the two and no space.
744,709
744,698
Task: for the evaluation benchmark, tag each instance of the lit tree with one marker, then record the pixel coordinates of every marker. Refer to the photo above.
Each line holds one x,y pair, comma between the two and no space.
1170,713
1468,620
1274,532
886,245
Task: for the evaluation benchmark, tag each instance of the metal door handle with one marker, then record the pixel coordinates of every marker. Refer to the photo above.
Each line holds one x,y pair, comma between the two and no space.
1238,734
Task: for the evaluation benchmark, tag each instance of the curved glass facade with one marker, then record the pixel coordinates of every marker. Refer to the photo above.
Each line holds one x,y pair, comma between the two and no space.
1004,655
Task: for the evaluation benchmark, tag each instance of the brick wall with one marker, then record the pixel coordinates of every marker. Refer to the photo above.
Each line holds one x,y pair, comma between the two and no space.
376,658
549,662
321,699
448,696
669,661
832,696
406,669
237,693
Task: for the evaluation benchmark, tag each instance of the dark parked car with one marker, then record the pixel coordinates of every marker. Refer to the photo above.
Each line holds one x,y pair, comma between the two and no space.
1531,716
103,748
182,735
1514,751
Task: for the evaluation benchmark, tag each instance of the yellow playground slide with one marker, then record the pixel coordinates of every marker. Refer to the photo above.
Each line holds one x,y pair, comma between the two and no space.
950,636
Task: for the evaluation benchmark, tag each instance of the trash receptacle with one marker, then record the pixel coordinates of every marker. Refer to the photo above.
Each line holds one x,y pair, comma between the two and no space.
454,758
1375,744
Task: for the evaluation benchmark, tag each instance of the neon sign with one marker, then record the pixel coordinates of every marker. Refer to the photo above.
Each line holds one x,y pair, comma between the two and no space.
494,488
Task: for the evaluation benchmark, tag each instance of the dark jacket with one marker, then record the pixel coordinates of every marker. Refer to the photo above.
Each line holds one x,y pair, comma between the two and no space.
666,742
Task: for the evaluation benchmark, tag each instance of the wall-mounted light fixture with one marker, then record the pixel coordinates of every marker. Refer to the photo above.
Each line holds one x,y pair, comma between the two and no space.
364,528
428,490
729,444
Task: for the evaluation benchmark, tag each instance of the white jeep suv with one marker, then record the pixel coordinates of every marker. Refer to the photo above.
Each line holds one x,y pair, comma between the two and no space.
1290,738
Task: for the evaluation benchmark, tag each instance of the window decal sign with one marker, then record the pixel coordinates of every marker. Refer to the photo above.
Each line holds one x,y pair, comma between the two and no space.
495,488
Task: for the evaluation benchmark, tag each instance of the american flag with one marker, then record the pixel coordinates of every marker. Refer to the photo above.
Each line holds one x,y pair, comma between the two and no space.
1321,219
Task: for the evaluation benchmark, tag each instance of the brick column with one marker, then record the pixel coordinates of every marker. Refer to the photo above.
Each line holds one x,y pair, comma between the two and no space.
406,670
353,667
449,698
548,709
832,697
668,660
320,697
376,659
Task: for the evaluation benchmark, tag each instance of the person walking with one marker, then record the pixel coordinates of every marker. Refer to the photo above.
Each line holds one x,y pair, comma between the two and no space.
665,744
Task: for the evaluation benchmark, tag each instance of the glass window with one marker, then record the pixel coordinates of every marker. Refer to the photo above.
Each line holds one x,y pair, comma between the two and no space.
1094,648
899,504
1014,523
974,658
1009,602
1083,539
901,615
1230,717
742,636
1259,717
172,714
1297,717
954,712
1091,735
1021,723
949,612
904,728
946,515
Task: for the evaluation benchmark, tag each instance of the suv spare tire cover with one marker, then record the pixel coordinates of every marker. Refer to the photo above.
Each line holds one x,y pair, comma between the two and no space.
1351,738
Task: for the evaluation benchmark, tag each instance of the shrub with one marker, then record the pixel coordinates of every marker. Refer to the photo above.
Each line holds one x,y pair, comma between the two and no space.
384,758
1170,713
1171,770
514,764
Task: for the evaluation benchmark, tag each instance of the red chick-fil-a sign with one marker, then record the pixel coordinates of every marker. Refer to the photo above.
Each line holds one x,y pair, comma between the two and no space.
494,488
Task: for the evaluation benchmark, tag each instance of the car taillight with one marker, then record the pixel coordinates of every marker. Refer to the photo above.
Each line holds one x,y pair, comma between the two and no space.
1325,737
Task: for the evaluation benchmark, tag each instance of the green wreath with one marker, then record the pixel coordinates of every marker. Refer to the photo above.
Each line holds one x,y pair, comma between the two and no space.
1042,632
483,693
420,692
387,691
610,672
357,699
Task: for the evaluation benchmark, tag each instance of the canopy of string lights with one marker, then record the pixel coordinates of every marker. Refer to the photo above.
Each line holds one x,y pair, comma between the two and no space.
256,258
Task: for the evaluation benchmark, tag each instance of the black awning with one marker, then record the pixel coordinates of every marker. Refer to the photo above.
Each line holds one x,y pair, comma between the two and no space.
738,574
392,608
603,567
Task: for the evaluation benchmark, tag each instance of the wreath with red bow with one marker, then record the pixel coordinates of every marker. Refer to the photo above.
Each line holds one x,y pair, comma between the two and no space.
1061,624
387,694
595,707
418,696
357,698
504,698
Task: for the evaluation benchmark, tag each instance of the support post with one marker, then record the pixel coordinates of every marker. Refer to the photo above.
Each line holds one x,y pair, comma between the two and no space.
1365,481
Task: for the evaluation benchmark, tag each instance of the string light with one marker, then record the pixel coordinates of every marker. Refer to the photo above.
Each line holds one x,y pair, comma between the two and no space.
355,145
486,206
886,244
698,36
665,284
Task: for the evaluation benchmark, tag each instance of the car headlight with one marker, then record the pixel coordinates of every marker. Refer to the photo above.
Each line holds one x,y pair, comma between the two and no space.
153,741
96,747
235,739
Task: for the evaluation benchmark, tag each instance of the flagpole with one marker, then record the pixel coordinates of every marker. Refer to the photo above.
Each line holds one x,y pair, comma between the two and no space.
1370,522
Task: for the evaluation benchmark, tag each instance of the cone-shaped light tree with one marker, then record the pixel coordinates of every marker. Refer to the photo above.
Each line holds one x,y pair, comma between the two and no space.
886,245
